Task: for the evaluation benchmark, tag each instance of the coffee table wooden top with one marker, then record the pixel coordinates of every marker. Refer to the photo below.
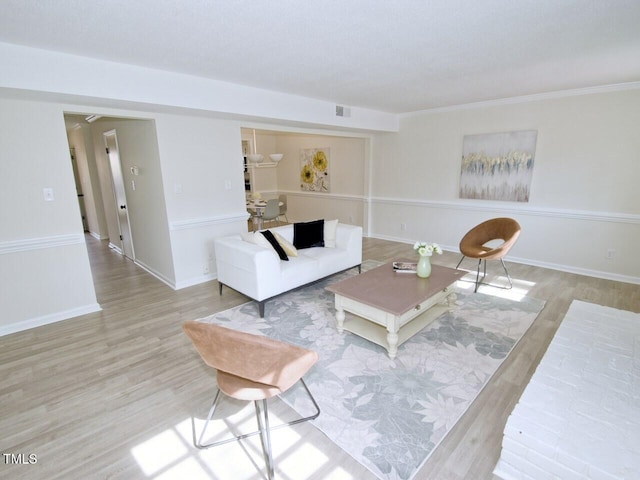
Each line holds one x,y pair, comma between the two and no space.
392,292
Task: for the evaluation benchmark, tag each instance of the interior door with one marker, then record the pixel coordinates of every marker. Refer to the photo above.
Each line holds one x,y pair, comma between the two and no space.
126,242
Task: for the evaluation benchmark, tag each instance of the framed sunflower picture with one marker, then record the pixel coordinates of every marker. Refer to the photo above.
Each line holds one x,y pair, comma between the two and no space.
314,169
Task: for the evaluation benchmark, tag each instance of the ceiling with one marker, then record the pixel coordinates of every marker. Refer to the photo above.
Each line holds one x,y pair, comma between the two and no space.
395,56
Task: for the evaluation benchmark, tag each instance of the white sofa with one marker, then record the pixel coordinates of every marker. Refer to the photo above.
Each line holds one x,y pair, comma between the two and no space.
258,272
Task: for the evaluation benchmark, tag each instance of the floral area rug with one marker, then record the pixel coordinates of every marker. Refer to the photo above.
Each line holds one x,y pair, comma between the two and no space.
390,414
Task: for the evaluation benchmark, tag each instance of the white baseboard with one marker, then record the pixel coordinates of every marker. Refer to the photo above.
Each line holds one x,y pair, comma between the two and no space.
47,319
525,261
155,273
195,281
179,285
115,248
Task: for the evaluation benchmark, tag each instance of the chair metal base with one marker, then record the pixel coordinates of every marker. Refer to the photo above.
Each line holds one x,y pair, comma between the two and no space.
264,429
484,274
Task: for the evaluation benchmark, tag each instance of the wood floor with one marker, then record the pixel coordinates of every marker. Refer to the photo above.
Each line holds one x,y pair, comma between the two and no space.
110,395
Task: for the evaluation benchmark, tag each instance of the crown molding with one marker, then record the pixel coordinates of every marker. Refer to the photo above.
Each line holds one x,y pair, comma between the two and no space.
618,87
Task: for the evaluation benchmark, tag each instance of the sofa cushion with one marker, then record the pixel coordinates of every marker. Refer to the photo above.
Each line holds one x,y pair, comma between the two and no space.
299,271
308,234
330,228
274,243
329,260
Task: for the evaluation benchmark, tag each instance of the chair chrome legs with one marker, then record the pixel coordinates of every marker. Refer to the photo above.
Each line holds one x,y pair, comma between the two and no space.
265,435
264,429
507,272
478,274
478,282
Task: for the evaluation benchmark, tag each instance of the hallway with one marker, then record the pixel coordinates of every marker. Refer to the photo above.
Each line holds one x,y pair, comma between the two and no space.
123,286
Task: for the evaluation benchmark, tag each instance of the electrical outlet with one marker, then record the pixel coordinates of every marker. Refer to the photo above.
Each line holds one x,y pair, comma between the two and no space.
205,268
403,227
610,254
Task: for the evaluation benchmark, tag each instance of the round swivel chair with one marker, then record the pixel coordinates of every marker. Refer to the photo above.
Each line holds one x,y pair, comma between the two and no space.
474,244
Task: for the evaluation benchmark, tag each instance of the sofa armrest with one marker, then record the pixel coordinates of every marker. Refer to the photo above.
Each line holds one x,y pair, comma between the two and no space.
250,269
349,238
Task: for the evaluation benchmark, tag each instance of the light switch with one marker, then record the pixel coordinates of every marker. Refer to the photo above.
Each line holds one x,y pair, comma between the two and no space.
177,188
227,184
48,194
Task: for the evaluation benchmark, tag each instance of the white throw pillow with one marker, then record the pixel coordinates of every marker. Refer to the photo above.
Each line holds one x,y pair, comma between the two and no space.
330,227
256,238
287,246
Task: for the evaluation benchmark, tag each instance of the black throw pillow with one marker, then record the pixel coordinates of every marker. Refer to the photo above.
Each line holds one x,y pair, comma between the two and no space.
274,243
308,234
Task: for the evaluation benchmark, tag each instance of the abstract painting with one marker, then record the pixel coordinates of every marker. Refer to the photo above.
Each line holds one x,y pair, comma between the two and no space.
498,166
314,169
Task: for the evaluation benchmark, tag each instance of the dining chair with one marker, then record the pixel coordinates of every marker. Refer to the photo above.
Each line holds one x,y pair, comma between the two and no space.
474,245
283,207
272,210
252,368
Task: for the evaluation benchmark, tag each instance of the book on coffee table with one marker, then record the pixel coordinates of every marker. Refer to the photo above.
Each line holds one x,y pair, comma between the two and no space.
405,267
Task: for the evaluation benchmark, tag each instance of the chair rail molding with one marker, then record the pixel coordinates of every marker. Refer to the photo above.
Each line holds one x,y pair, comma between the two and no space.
208,221
326,196
39,243
614,217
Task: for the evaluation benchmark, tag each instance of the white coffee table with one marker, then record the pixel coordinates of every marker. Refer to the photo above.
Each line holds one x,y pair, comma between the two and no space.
389,308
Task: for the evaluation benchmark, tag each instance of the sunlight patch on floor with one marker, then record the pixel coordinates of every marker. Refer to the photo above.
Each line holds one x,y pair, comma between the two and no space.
189,468
301,460
159,452
171,455
519,290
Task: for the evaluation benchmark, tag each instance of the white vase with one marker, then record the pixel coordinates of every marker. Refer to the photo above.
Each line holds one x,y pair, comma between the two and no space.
423,270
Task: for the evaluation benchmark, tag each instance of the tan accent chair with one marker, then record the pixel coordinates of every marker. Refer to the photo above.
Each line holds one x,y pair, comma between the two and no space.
473,244
250,367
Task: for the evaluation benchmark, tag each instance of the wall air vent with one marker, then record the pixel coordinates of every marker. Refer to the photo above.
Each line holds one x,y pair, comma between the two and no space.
342,111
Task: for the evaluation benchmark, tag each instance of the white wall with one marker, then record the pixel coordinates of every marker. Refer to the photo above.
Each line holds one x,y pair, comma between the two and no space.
584,197
45,275
137,146
348,168
201,159
44,266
